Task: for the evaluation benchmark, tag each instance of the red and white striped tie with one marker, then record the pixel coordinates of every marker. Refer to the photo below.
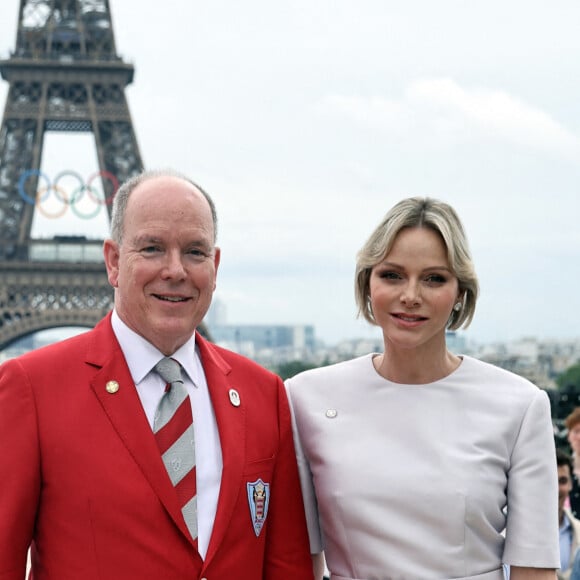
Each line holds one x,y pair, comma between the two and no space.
173,428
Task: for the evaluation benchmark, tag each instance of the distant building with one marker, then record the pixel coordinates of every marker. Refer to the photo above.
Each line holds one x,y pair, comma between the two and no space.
455,342
217,314
264,336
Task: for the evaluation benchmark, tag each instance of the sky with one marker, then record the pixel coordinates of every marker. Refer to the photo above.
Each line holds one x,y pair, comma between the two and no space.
306,120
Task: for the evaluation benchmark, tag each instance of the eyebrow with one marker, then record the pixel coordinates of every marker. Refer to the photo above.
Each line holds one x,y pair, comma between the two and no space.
430,268
146,239
151,239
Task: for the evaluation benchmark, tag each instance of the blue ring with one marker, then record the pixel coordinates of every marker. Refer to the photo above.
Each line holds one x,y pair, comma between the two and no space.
25,175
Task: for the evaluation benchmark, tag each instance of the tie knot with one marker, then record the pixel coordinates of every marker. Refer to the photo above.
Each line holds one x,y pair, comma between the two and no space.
169,370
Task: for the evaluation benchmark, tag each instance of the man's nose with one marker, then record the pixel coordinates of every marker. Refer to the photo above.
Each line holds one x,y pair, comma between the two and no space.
174,266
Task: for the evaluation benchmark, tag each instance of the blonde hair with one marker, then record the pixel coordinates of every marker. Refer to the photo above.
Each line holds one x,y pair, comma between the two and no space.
420,212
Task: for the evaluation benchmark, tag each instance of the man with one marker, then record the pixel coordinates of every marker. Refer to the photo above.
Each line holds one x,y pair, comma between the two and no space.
572,423
86,481
569,525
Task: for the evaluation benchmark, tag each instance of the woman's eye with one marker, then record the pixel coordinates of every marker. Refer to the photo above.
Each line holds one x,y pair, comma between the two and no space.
436,279
388,275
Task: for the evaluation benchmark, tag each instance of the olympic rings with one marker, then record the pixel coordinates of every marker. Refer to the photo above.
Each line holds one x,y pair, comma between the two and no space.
45,187
45,191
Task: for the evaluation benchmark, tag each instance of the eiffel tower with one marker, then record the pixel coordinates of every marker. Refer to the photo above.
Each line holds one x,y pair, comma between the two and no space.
64,75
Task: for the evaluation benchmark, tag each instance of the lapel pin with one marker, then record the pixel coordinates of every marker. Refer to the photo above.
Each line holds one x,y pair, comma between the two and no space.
112,387
234,397
331,413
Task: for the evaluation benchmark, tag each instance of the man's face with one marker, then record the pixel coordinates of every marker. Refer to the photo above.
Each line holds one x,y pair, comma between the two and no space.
564,485
164,271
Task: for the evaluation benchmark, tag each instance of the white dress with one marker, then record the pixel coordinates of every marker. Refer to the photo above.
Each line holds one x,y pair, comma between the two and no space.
413,481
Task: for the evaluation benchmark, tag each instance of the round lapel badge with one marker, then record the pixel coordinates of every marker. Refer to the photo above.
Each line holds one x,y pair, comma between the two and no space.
234,397
112,387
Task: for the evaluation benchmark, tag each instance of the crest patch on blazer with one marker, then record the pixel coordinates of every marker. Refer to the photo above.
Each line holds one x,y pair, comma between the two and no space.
258,500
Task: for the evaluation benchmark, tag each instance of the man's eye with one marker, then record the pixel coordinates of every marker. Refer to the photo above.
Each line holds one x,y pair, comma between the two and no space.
196,252
150,249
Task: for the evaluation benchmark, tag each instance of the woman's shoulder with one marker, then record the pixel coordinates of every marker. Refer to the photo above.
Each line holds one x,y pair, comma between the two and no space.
340,371
489,375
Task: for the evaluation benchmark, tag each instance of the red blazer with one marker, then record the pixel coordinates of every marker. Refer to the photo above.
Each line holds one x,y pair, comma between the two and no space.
82,481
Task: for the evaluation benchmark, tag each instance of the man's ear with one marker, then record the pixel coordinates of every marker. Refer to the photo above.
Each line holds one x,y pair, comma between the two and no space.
111,255
216,261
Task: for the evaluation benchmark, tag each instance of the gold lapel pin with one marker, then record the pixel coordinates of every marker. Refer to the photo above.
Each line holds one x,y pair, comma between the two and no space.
112,387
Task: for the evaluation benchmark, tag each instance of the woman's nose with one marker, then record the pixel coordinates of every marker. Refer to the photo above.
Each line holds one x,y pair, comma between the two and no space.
411,295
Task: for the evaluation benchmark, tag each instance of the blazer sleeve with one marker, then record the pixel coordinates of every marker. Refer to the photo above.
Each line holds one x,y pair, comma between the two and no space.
532,496
287,554
19,469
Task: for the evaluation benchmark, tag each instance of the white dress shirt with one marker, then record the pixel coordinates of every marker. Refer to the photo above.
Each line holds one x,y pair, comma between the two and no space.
141,357
565,543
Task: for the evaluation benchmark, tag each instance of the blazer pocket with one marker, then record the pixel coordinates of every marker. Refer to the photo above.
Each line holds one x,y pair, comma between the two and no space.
260,468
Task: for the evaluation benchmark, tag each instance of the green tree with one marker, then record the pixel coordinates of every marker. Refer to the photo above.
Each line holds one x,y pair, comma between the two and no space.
291,368
569,378
288,369
567,397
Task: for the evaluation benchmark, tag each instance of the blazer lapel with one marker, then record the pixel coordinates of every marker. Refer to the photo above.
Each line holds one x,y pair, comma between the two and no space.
115,390
231,421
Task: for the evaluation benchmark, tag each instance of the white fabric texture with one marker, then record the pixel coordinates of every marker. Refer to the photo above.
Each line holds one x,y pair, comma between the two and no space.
412,481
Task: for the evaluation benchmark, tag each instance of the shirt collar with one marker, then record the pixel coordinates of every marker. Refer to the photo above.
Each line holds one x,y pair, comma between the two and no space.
566,524
142,356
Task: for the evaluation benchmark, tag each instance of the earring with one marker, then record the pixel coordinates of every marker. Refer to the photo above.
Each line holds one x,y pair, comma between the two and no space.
457,306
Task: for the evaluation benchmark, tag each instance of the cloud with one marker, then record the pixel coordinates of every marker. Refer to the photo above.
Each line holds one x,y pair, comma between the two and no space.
442,112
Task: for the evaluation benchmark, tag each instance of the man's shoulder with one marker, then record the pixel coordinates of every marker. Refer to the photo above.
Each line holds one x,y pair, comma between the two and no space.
59,348
69,349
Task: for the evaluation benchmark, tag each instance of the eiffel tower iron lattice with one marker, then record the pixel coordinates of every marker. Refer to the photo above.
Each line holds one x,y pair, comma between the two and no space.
64,75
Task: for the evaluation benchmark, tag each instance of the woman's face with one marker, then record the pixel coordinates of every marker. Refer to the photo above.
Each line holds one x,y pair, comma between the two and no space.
413,290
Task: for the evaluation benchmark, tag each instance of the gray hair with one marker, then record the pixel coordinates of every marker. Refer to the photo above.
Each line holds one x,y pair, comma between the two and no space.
122,197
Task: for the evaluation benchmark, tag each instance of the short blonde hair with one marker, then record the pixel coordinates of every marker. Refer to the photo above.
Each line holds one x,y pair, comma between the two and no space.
420,212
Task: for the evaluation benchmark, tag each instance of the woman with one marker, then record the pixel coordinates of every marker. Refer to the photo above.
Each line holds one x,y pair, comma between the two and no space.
410,458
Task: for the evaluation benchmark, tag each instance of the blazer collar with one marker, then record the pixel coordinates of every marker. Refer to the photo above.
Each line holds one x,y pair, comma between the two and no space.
127,417
231,420
114,388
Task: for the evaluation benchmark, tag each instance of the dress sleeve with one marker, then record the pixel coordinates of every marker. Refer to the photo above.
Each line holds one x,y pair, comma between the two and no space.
532,491
306,482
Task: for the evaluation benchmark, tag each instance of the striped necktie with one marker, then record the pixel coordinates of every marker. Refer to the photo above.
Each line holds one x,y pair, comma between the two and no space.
173,428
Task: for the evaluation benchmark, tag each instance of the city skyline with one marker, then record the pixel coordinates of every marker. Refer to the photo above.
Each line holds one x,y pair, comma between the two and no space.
306,121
